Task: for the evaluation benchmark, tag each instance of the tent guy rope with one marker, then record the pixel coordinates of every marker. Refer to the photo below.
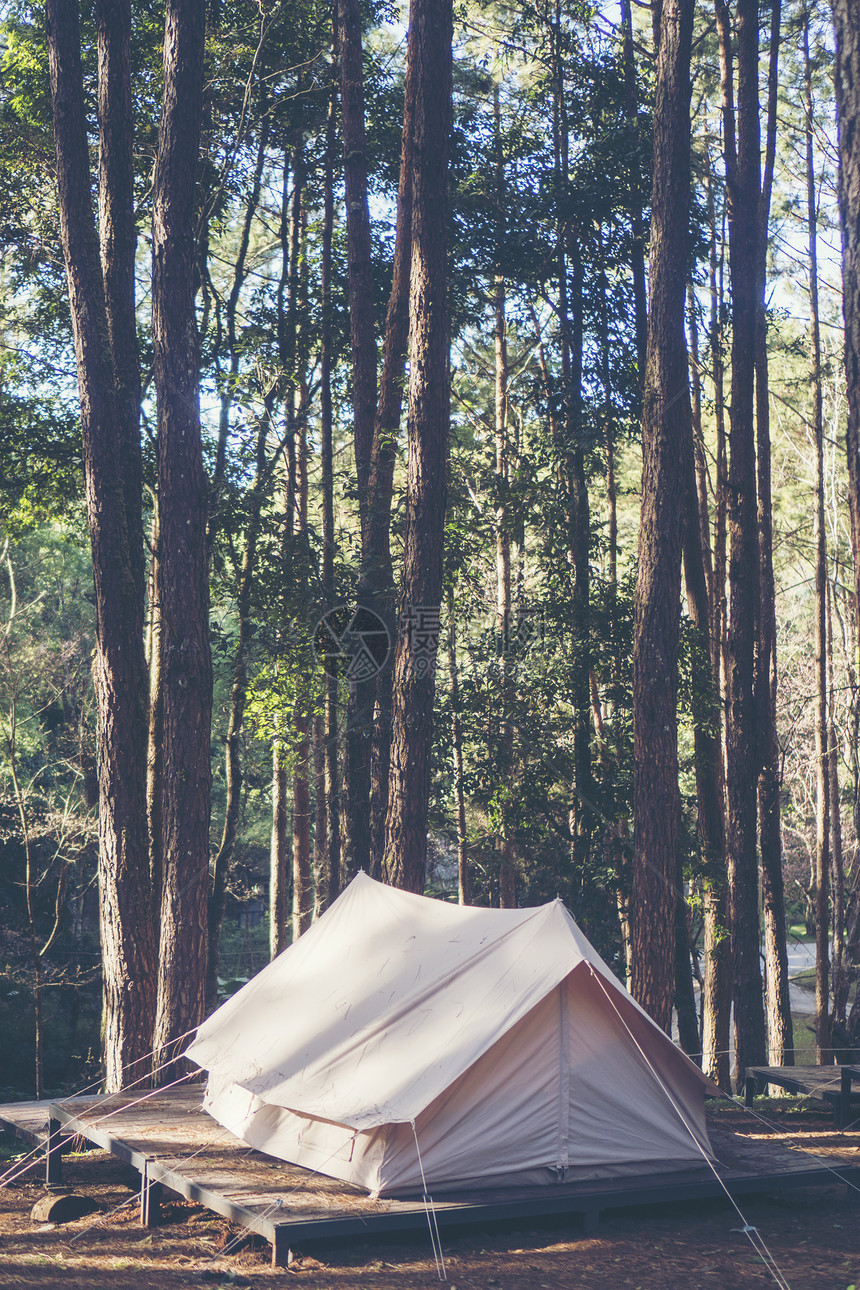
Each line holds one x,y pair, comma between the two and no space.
749,1230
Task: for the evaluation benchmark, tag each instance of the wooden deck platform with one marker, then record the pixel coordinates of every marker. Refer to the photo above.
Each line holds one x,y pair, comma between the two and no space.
832,1084
173,1143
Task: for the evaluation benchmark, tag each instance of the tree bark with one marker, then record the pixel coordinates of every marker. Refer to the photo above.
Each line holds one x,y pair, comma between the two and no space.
702,510
430,35
666,438
743,572
154,760
464,884
779,1024
183,563
570,467
707,756
847,99
716,1002
278,880
126,896
327,853
637,240
288,348
840,978
118,237
378,573
579,546
303,900
822,763
507,873
359,721
847,77
684,996
715,344
361,330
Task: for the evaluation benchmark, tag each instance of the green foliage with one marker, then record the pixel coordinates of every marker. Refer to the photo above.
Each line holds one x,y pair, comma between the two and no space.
560,81
47,791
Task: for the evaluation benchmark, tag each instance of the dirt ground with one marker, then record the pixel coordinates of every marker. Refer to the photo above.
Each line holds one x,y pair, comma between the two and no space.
813,1235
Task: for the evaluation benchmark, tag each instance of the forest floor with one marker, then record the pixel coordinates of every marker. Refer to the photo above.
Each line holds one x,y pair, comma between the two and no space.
812,1235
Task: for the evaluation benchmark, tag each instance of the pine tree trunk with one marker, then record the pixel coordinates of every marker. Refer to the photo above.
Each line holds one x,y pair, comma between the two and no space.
701,466
507,873
361,310
847,69
716,1004
779,1024
183,563
288,345
278,877
822,762
378,571
715,331
327,852
840,977
118,238
637,241
430,34
666,446
320,850
684,996
303,901
355,840
154,761
743,572
847,78
464,885
579,545
114,520
707,757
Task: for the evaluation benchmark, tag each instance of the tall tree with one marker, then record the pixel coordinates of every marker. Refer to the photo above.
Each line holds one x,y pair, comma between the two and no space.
327,842
822,761
847,31
743,184
507,878
464,885
667,450
779,1025
288,348
110,447
359,720
377,570
706,714
183,510
637,241
256,495
430,36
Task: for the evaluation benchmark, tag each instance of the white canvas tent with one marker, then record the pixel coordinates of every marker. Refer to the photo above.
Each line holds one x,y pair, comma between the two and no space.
495,1042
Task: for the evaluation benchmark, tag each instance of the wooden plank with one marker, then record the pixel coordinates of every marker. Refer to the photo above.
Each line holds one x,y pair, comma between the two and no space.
27,1120
832,1084
174,1144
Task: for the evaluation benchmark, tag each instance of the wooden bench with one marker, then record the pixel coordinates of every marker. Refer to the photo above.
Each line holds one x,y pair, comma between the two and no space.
832,1084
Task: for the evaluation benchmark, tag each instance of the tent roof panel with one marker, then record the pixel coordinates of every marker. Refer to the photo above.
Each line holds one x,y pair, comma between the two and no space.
386,1000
